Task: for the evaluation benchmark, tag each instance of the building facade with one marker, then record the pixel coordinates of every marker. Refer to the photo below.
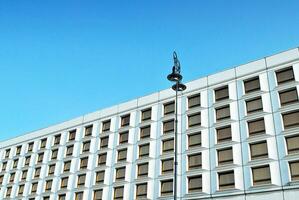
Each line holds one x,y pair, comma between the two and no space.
238,140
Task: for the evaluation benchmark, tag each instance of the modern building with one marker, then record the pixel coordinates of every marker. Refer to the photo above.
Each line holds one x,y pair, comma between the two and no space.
238,140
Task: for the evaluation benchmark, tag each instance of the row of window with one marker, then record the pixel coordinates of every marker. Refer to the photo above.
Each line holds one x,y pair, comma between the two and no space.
226,180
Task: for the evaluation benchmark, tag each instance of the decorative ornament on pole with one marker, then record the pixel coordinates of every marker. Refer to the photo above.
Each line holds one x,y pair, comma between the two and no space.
176,76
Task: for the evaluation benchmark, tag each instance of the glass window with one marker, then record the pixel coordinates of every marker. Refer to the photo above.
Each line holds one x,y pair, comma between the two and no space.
195,184
294,168
194,139
194,161
100,175
261,175
142,169
120,173
288,96
102,159
146,114
97,194
122,154
144,150
194,101
72,135
81,179
293,144
221,93
106,125
226,180
291,119
166,187
125,120
83,163
123,137
222,112
256,126
225,156
224,134
86,146
57,139
252,84
141,190
145,131
285,75
69,150
259,150
194,120
167,165
104,142
168,126
169,108
254,105
118,193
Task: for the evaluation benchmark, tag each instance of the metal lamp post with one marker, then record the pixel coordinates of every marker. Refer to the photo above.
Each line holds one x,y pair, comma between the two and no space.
176,77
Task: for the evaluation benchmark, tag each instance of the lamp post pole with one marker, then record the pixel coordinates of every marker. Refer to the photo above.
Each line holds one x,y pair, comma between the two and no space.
176,77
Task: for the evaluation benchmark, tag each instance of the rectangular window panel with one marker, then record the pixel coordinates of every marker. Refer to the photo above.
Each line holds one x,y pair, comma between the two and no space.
79,196
221,93
224,134
194,161
24,175
86,146
141,190
118,193
27,160
88,130
291,119
294,169
225,156
54,153
64,182
106,125
288,96
123,137
34,187
21,189
293,144
145,131
146,114
167,165
67,166
259,150
226,180
104,142
120,173
144,150
169,108
100,176
252,85
81,179
256,126
43,143
51,169
168,126
122,155
223,113
194,101
97,195
18,151
166,187
261,175
48,185
143,169
102,159
57,139
254,105
30,146
84,163
195,184
37,172
194,139
194,120
72,135
285,75
69,150
125,120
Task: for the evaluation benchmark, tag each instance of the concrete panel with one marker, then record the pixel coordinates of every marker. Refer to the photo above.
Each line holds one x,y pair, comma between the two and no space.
221,77
283,57
149,99
266,195
197,84
250,68
123,107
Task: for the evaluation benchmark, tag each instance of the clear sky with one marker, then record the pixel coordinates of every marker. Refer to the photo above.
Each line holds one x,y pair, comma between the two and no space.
62,59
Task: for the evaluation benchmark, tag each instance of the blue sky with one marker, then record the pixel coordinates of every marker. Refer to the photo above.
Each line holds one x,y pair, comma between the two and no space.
62,59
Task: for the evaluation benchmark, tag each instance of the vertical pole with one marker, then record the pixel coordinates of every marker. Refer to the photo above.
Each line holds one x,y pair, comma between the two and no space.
175,141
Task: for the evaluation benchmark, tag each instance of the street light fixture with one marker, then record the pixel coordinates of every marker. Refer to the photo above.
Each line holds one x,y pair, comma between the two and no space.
176,77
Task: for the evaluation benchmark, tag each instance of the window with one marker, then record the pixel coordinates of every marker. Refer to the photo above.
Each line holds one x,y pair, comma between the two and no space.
7,153
294,169
33,187
254,105
86,146
24,174
291,119
57,139
293,144
288,96
145,131
194,161
141,190
167,165
4,166
69,150
102,159
67,166
256,126
64,182
225,156
88,130
285,75
226,180
224,134
106,125
143,169
100,175
252,84
222,113
144,150
146,114
125,120
97,194
8,191
166,187
84,163
27,160
43,143
48,185
40,157
37,172
195,184
221,93
15,163
259,150
194,101
12,177
21,189
54,153
261,175
62,197
104,142
46,198
120,173
51,169
118,193
72,135
30,146
123,137
18,150
194,139
81,179
1,179
194,120
168,145
79,196
169,108
122,154
168,126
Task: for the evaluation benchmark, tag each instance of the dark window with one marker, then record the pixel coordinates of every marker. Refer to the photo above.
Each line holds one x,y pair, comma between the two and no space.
57,139
226,180
83,163
86,146
254,105
123,137
142,169
291,119
54,153
141,190
102,159
97,194
259,150
100,175
72,135
169,108
194,120
167,165
145,131
168,126
285,75
195,184
120,173
168,145
118,193
69,150
64,182
88,130
104,142
122,155
225,156
106,125
194,101
43,143
224,134
256,126
79,196
221,93
30,146
222,113
252,84
67,166
288,96
261,175
125,120
146,114
51,169
18,151
144,150
194,161
294,168
194,139
81,179
166,187
293,144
